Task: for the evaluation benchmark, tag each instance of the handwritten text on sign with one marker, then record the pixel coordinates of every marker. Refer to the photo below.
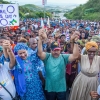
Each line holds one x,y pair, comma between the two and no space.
9,15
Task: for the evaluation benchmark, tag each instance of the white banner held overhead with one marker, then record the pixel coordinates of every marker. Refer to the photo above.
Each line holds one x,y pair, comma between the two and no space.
44,2
42,23
9,15
48,22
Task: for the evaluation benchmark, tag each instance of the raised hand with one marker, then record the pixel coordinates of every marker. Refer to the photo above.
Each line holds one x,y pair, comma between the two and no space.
42,34
75,36
6,44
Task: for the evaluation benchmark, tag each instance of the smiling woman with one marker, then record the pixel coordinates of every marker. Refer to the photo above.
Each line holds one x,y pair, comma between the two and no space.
91,48
92,52
91,44
26,74
86,81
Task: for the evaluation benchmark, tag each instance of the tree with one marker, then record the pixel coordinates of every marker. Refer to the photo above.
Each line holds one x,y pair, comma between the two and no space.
85,11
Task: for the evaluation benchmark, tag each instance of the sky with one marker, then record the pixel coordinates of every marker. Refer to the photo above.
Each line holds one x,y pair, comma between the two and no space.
50,2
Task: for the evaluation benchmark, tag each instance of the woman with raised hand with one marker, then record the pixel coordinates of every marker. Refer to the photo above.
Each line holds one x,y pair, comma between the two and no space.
27,82
87,80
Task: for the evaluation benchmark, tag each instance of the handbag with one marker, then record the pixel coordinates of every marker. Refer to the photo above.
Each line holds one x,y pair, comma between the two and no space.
16,97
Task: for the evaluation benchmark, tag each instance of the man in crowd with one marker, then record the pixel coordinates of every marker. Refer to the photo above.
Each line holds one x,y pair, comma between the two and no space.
55,64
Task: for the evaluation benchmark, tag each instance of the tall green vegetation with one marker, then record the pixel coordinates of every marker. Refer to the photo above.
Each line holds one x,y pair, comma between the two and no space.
88,11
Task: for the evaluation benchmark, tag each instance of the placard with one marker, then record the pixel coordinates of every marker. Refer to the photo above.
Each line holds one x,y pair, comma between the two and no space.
9,15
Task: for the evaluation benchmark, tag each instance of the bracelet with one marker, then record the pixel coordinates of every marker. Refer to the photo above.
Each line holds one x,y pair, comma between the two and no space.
75,42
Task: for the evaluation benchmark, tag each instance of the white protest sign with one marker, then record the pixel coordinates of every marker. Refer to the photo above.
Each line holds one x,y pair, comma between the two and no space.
9,15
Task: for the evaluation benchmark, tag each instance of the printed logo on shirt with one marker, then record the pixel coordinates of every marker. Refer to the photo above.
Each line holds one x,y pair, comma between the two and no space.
4,83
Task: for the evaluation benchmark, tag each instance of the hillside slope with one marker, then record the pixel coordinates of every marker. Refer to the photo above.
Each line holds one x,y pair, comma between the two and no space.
88,11
33,7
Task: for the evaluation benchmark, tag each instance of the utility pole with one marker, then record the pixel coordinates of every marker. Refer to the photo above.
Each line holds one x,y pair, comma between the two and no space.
44,10
44,3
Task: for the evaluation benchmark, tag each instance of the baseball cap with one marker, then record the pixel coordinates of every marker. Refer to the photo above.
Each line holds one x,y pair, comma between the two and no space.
87,28
55,46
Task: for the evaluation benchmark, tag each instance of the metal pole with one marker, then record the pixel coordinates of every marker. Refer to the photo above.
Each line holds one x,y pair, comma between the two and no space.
44,10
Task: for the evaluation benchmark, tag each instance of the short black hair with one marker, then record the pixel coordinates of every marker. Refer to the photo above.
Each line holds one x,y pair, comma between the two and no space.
3,37
62,35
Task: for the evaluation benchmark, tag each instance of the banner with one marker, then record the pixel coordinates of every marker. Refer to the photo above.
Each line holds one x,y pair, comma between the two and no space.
48,22
42,23
9,15
44,2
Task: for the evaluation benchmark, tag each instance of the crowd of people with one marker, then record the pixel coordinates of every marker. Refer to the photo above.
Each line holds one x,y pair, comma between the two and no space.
55,61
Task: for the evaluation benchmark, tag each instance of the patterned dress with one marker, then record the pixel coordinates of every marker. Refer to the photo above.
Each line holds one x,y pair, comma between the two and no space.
33,84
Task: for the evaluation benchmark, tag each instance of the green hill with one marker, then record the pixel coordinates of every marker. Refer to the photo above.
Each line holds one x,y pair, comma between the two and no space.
33,7
88,11
29,11
4,2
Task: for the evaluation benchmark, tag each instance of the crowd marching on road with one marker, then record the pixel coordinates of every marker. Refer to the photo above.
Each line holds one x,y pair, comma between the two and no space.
55,61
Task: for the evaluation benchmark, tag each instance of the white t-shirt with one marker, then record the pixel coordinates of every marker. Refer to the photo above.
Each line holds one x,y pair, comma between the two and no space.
55,30
36,26
6,80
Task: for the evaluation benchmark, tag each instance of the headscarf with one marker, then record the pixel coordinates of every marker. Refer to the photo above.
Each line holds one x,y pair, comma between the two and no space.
95,38
20,46
90,45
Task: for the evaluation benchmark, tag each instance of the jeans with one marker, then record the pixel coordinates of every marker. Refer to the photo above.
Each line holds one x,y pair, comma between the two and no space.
55,95
67,94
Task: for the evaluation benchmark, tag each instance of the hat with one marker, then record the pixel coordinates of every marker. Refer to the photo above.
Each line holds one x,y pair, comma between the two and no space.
87,28
55,46
27,34
23,28
1,48
96,38
20,46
